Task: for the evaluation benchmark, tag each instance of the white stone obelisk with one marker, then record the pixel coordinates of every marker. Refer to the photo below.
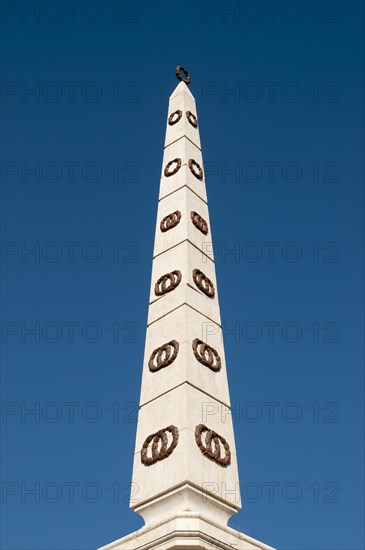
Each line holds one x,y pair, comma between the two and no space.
185,475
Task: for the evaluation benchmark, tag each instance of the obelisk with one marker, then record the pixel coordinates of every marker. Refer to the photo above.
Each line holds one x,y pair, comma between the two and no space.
185,464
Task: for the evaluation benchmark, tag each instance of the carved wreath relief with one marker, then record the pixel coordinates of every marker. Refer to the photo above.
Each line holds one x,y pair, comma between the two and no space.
199,222
174,166
170,169
195,169
175,117
159,448
168,282
215,447
170,221
206,355
192,119
203,283
186,78
163,356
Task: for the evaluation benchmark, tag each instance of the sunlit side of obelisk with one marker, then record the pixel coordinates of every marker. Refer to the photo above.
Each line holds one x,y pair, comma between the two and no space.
185,474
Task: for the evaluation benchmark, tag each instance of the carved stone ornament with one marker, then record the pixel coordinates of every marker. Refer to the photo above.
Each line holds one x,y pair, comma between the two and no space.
180,69
171,171
170,221
175,117
168,282
195,169
159,448
203,283
215,447
199,222
206,355
192,119
163,356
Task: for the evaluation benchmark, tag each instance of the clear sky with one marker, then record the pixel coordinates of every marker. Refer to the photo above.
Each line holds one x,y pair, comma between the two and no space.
85,89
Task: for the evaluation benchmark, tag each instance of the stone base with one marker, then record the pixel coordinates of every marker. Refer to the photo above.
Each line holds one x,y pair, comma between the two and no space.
187,531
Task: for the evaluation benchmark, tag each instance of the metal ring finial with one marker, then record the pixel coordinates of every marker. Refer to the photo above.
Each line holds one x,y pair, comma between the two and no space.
180,69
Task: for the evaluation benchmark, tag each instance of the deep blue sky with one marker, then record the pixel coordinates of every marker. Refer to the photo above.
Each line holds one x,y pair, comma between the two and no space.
309,132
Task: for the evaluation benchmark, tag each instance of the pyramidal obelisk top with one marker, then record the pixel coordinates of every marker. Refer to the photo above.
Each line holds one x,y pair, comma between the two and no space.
185,477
